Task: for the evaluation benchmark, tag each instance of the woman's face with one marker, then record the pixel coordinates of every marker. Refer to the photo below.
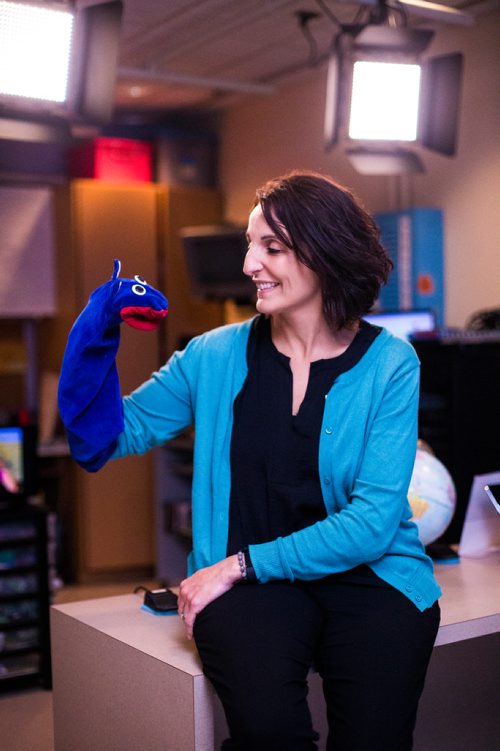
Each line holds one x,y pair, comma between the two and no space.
284,284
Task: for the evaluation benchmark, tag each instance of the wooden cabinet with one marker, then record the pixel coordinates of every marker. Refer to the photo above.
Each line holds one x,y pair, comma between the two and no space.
13,363
114,510
188,315
137,223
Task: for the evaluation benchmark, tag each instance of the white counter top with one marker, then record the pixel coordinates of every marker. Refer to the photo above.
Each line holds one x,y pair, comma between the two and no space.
470,605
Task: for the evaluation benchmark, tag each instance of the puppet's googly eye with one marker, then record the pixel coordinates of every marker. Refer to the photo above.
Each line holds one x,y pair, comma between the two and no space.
138,289
140,279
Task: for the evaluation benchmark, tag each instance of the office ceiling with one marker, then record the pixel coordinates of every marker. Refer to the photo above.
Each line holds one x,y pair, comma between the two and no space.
178,55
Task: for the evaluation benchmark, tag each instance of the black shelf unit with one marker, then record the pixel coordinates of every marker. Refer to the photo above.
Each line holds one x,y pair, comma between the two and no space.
24,596
459,411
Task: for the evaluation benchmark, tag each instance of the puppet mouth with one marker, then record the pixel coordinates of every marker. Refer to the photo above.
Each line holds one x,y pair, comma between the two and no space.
142,318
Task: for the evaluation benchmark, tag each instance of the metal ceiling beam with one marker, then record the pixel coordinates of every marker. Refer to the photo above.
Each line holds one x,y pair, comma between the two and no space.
184,79
430,10
437,12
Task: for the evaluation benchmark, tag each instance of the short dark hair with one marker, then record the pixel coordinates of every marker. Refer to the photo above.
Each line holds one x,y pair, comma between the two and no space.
333,235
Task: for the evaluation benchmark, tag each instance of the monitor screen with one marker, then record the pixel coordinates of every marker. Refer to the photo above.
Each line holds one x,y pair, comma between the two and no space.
17,460
214,257
404,323
11,459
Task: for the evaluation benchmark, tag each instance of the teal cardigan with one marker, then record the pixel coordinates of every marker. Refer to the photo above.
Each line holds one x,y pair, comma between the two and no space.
366,456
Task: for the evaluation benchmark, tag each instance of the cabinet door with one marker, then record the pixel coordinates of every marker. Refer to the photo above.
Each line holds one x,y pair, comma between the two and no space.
115,506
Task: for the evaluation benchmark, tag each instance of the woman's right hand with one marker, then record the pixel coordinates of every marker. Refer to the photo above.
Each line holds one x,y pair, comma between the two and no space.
204,586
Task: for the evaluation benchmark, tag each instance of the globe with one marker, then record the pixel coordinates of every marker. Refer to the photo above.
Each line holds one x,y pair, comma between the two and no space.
432,496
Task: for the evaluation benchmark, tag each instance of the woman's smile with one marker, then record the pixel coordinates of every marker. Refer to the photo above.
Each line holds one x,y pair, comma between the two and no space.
263,288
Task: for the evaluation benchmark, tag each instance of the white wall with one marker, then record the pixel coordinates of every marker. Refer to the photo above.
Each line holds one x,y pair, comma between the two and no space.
266,136
27,279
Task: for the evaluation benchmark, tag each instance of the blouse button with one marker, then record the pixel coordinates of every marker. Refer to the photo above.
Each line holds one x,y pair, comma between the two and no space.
328,430
326,480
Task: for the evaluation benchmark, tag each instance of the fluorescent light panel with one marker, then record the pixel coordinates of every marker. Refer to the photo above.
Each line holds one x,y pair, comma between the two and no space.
384,101
35,51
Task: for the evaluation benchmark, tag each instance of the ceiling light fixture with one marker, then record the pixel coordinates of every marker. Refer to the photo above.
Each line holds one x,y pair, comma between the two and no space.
35,51
57,64
381,97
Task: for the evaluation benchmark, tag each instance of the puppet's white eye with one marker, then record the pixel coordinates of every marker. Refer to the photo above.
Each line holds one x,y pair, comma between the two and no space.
140,279
138,289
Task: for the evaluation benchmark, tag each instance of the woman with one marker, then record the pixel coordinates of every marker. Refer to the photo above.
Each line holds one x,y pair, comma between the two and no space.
306,427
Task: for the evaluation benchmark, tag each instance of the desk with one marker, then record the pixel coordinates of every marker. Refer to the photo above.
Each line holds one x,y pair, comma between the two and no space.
470,605
459,706
125,679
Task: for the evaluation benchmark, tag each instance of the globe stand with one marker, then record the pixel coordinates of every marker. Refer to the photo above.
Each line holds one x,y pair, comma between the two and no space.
440,552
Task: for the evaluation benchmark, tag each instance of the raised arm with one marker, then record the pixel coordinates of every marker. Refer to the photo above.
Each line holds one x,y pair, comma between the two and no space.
90,402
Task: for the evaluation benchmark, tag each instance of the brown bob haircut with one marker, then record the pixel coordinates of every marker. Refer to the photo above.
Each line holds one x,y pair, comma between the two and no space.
333,235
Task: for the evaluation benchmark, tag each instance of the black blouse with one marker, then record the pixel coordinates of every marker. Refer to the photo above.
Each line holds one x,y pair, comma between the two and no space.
275,488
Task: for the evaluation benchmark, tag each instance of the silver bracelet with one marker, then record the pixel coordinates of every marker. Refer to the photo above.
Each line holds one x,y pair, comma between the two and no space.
242,564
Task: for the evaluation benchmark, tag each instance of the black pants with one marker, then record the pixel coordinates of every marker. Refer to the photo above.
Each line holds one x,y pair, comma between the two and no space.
370,644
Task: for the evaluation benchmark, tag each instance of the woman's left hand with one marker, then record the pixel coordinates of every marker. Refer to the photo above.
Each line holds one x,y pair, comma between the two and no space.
204,586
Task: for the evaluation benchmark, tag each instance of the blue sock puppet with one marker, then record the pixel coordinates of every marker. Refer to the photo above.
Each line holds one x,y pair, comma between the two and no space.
90,402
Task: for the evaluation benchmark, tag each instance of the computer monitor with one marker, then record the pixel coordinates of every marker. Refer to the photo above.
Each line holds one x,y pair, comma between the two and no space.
404,323
214,257
17,461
